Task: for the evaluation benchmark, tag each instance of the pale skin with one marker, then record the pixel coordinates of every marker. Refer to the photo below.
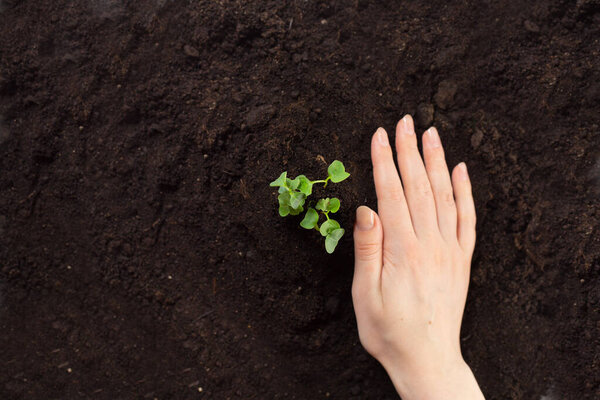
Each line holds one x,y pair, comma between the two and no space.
413,259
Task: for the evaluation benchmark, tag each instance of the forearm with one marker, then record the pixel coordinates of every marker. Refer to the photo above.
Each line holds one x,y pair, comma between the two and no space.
433,382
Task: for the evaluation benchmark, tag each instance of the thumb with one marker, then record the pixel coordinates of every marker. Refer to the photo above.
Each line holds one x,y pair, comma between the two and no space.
368,244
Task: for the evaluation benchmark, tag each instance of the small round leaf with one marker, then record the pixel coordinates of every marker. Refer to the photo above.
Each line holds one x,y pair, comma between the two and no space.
279,181
328,204
332,239
293,184
296,211
284,198
305,185
321,205
334,204
328,226
310,219
297,199
284,210
337,172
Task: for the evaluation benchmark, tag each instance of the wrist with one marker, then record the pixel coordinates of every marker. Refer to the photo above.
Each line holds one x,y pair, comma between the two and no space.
446,377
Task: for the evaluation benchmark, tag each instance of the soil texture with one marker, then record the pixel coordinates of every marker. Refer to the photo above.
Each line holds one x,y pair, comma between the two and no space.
141,252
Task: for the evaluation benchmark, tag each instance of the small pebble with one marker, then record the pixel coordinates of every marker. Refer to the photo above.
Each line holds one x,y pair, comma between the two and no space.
191,51
476,139
531,26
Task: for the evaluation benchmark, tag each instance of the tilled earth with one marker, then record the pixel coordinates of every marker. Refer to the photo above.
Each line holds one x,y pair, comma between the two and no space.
141,253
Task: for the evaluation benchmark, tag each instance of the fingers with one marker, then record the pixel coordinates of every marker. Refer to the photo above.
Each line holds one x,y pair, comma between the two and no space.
439,178
465,208
368,250
417,189
392,206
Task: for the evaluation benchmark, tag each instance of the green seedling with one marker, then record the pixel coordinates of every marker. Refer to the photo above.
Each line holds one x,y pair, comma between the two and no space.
330,228
292,199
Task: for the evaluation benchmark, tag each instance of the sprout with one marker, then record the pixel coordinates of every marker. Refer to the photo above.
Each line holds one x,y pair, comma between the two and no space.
292,198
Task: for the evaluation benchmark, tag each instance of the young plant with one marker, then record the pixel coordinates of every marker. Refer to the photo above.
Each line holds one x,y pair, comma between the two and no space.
292,198
330,228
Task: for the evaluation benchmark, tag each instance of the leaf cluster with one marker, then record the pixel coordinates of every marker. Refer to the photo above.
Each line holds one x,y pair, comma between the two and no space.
292,199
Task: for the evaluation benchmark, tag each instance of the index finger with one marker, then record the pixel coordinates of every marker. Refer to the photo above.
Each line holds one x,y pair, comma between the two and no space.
391,203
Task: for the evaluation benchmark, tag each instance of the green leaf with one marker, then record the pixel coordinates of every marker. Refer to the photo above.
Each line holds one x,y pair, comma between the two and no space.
284,209
284,199
321,205
328,204
283,189
279,181
305,185
337,172
296,211
310,219
328,226
293,184
332,239
334,204
297,199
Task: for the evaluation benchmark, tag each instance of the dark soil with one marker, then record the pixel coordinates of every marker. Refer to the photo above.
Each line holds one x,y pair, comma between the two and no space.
141,253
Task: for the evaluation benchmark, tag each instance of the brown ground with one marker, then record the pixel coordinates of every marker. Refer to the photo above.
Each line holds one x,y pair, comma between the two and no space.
141,254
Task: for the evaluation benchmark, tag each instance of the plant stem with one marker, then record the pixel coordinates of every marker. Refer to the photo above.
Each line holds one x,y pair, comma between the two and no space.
321,181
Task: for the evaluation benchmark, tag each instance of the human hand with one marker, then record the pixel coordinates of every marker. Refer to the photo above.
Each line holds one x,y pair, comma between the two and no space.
412,265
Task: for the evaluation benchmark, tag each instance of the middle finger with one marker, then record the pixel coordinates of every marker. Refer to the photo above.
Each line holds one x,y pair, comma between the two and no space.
416,184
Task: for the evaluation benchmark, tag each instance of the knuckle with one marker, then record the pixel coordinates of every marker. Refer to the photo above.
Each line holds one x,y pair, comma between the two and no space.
367,251
393,193
424,188
448,198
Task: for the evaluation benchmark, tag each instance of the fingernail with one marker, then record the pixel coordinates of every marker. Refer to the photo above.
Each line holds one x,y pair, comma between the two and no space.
434,137
365,218
382,137
408,125
462,171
